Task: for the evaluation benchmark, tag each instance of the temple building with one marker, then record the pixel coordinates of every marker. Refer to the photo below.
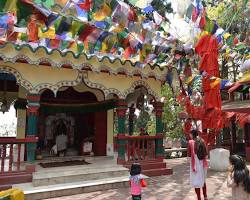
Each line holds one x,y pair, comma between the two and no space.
54,94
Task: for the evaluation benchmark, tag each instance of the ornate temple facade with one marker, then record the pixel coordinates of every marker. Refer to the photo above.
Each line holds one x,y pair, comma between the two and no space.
84,93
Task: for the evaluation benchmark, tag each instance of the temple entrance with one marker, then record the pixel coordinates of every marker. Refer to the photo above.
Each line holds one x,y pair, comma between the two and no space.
71,116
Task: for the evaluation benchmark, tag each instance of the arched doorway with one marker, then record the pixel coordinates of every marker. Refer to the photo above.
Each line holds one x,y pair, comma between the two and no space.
75,113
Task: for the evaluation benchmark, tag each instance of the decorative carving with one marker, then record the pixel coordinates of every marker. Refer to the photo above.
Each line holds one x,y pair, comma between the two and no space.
38,88
19,79
99,86
58,85
60,61
144,84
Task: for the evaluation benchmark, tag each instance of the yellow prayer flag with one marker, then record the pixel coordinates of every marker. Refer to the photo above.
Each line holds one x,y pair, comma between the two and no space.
226,35
104,47
215,82
73,47
189,80
50,33
103,13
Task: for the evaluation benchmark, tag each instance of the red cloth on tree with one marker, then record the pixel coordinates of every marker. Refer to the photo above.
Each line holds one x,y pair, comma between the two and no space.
212,119
212,97
207,49
187,128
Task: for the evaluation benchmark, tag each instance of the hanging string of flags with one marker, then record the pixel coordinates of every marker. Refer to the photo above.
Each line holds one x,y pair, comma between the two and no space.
84,26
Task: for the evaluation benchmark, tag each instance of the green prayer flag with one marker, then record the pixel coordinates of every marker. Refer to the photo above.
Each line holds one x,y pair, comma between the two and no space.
230,40
24,37
209,26
80,48
46,3
122,35
76,26
64,45
133,2
24,11
97,4
113,4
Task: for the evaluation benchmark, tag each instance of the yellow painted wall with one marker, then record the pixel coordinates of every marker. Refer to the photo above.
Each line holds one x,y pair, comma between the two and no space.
37,75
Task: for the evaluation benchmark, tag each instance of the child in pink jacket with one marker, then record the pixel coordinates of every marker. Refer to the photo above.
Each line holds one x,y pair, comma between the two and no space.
136,181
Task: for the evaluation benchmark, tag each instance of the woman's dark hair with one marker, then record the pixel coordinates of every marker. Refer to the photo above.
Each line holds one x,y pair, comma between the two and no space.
240,172
194,133
135,169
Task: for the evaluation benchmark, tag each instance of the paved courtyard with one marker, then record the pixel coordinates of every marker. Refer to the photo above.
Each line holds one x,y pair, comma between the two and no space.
174,187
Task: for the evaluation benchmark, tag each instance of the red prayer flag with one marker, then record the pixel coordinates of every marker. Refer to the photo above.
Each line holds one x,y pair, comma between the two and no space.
85,6
85,32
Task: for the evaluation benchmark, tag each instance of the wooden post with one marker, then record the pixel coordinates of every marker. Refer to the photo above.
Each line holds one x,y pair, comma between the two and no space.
32,109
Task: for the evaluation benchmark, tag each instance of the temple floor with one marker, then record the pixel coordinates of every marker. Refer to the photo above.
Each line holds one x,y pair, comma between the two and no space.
174,187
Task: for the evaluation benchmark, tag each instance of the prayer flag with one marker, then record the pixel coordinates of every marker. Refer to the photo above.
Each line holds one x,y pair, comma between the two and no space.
157,18
85,5
215,82
85,31
101,14
82,14
49,33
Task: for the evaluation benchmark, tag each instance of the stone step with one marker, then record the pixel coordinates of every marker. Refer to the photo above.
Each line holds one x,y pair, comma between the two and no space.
158,172
5,187
9,179
75,174
66,189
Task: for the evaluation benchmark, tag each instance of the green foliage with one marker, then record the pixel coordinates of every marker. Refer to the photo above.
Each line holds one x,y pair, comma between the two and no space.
143,119
172,124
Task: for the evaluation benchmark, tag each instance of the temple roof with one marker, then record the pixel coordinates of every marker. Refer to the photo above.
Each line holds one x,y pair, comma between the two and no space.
55,58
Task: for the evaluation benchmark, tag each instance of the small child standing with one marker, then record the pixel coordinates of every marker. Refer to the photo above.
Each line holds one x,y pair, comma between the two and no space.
136,181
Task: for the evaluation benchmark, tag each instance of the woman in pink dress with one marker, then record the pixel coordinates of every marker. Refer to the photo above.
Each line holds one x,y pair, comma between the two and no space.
198,164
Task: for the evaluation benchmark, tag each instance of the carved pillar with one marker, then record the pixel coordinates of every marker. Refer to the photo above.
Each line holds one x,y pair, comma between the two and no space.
121,143
131,120
32,112
159,149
